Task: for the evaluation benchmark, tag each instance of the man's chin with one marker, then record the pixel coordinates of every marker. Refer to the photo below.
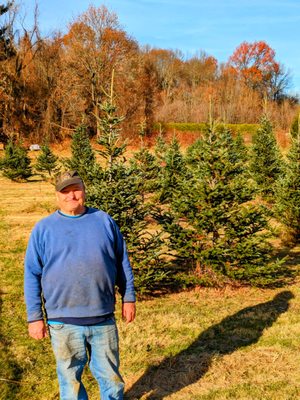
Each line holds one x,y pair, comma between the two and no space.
73,210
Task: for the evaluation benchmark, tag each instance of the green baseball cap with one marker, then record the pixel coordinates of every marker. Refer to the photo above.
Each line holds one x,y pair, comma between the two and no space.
66,179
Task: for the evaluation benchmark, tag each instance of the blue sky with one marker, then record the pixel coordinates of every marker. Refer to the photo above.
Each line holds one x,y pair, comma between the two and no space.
214,26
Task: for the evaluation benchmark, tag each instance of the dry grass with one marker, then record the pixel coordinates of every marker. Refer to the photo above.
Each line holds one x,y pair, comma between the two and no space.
204,344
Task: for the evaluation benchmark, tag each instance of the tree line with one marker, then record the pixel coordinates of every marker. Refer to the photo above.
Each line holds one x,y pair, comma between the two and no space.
49,85
200,217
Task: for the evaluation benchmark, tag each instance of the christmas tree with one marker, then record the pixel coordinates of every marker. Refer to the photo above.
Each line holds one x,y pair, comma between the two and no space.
213,223
288,188
120,191
16,162
172,171
266,162
47,161
83,158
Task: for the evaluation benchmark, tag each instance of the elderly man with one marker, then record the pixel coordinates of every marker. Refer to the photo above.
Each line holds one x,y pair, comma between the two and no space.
75,258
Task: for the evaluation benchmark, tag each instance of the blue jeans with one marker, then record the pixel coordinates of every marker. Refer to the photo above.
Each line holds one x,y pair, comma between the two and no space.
74,346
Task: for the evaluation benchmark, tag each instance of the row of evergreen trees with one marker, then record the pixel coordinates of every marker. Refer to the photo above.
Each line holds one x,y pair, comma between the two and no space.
202,217
17,165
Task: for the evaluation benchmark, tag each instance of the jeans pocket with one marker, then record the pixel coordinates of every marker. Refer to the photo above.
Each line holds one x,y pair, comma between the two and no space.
56,327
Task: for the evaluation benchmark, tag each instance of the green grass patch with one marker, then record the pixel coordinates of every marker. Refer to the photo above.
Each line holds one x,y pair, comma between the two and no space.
200,127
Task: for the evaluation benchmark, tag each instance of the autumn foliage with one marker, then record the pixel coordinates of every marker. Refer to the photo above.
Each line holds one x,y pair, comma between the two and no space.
255,64
51,85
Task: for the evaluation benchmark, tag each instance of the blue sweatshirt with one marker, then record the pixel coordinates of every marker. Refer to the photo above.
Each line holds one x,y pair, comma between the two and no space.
75,264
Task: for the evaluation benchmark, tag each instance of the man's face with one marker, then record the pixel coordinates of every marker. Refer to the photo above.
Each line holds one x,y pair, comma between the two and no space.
70,200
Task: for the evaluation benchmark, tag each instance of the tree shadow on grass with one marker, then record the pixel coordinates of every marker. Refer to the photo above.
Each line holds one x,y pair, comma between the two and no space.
292,255
10,372
232,333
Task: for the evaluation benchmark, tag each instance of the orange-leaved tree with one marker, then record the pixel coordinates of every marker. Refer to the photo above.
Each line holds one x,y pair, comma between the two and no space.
255,64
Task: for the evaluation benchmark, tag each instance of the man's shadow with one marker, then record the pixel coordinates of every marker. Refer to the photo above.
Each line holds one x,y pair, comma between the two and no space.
236,331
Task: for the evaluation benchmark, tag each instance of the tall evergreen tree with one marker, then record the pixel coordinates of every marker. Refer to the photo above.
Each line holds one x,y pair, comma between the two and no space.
16,162
146,170
160,146
212,223
266,162
240,149
83,157
117,190
288,189
109,137
172,171
114,189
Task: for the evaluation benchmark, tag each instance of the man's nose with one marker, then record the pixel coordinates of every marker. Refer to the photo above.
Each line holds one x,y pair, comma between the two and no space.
71,194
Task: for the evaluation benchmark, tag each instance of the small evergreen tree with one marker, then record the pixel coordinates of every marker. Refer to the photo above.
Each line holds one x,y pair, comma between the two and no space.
288,189
16,162
83,158
266,162
47,161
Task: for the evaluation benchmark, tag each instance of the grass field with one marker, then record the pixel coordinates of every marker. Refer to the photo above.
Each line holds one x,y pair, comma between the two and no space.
203,344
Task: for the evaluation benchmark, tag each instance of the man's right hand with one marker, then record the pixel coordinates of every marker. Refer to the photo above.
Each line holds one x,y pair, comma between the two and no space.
37,330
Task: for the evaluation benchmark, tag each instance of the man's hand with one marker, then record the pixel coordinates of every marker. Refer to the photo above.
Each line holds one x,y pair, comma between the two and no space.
37,330
128,312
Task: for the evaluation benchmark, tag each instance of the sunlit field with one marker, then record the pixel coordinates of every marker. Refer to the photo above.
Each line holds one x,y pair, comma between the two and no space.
202,344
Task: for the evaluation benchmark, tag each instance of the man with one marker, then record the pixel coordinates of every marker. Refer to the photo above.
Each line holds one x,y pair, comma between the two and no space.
74,259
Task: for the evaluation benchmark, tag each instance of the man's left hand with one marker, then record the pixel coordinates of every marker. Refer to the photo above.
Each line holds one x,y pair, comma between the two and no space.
128,312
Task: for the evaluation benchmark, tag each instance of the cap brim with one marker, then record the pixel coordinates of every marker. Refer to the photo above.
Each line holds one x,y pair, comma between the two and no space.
72,181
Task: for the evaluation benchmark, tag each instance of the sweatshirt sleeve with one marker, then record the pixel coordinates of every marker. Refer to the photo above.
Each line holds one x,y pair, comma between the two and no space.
32,278
125,280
